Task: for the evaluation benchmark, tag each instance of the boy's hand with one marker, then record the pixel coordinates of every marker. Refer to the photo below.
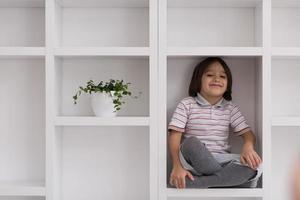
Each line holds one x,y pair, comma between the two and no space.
178,175
250,157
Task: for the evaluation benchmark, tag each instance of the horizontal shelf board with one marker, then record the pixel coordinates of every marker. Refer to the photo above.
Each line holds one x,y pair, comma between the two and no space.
101,121
214,3
217,51
22,3
286,51
286,121
218,192
104,3
22,51
102,51
22,190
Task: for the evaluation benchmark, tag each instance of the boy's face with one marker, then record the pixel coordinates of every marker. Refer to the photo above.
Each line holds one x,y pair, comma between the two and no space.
214,81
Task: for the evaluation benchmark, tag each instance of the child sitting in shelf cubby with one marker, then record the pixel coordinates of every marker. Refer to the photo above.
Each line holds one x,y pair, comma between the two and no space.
202,158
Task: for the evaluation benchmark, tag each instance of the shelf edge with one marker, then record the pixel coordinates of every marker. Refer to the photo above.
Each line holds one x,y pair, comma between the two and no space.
102,51
285,121
99,121
215,192
216,51
22,51
22,191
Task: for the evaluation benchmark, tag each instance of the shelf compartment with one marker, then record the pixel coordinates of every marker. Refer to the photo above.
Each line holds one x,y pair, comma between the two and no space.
99,121
214,51
247,87
88,24
285,23
26,27
213,23
22,121
198,193
285,155
285,121
114,159
104,51
22,189
72,72
285,82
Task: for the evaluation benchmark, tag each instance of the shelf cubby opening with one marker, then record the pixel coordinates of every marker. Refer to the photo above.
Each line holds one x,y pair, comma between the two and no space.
230,23
285,87
72,72
90,24
285,23
26,26
285,154
247,87
22,122
102,162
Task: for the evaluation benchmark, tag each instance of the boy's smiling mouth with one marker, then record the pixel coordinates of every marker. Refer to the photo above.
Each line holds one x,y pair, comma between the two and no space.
215,85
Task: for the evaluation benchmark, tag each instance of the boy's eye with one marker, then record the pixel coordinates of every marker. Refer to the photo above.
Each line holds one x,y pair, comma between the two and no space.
223,76
209,75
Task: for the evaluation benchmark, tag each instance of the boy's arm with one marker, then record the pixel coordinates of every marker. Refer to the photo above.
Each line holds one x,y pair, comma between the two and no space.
174,143
178,174
248,155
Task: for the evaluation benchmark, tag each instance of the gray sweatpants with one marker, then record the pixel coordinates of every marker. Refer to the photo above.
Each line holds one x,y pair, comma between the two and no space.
208,172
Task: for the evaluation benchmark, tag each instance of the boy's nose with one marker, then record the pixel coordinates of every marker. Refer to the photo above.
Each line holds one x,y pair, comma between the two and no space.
217,79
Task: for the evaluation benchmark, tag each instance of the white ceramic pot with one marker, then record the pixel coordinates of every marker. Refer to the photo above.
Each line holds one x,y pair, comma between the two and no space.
102,105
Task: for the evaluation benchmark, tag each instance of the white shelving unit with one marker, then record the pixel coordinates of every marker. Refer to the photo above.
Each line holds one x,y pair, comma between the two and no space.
47,52
285,115
53,150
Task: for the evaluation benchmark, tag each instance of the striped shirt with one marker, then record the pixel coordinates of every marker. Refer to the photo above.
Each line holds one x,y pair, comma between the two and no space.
195,116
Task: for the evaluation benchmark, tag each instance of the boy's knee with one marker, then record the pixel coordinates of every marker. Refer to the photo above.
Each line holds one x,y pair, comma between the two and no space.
193,141
191,144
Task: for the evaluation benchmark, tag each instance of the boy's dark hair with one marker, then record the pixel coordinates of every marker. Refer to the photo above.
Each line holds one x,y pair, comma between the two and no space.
195,85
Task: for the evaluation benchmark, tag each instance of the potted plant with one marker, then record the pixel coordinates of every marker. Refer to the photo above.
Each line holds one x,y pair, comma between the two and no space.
106,98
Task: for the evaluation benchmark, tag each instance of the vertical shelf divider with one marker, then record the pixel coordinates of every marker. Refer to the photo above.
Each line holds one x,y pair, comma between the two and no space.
153,87
162,95
266,100
51,176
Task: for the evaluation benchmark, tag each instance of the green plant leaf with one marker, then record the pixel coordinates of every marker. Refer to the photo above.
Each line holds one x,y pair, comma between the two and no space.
118,86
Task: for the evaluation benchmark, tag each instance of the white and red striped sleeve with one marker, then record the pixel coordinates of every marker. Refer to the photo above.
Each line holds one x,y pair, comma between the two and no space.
238,122
179,118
